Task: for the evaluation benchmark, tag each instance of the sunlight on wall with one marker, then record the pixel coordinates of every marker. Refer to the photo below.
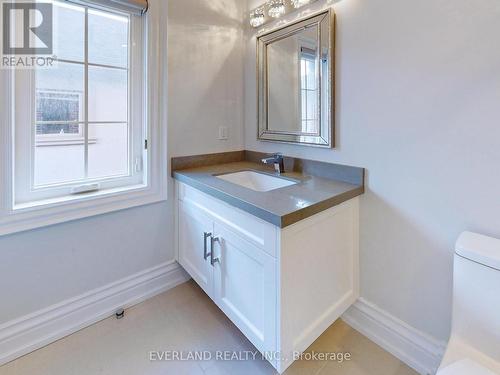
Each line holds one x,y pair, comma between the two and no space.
205,61
226,8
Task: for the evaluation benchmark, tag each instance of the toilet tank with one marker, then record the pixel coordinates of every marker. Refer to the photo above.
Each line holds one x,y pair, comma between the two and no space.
476,293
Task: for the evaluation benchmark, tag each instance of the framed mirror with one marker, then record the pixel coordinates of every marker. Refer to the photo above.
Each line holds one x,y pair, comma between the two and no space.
295,77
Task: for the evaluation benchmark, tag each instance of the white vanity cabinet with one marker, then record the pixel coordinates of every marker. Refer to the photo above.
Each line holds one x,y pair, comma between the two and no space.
282,287
238,275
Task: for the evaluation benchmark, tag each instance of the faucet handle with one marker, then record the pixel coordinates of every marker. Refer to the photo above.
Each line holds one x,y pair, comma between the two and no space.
277,160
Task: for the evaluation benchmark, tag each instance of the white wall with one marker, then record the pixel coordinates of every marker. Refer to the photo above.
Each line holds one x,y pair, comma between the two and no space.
46,266
42,267
418,93
205,88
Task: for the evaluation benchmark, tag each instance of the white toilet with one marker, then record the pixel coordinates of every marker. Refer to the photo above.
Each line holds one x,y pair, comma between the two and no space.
474,346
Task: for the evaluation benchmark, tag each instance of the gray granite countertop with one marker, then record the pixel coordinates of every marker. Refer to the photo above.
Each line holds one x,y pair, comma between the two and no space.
284,206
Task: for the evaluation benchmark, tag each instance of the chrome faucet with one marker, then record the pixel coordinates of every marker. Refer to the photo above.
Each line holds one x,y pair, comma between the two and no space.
277,160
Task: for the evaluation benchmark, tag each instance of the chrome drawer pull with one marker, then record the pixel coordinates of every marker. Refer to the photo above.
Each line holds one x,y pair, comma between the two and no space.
213,259
205,253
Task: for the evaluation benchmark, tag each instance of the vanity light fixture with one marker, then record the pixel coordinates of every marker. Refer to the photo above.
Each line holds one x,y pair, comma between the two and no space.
273,9
257,17
300,3
276,8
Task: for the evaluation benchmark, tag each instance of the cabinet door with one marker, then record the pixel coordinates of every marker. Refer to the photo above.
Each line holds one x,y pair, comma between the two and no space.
245,287
194,229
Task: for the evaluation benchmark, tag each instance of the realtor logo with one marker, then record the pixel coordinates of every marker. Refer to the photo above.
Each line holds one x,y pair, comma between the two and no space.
27,28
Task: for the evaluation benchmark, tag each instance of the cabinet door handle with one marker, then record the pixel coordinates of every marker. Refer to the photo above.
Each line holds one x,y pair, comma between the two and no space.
213,259
205,236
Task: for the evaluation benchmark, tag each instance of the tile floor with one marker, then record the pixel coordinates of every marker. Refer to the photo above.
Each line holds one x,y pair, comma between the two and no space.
185,319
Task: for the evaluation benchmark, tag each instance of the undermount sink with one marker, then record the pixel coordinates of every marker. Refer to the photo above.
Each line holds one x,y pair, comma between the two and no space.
256,181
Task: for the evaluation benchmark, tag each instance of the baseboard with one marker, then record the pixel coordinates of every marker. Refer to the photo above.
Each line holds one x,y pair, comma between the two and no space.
28,333
418,350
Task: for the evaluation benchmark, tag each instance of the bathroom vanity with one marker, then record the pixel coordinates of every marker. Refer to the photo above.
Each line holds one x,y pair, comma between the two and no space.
277,253
277,248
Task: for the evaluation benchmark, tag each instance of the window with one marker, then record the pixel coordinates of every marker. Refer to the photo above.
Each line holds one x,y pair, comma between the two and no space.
85,129
52,107
56,106
313,78
76,146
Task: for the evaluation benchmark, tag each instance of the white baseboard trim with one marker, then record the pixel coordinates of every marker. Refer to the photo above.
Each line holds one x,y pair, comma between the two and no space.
418,350
28,333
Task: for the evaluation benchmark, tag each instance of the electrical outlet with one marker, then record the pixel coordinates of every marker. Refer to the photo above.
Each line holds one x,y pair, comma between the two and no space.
223,133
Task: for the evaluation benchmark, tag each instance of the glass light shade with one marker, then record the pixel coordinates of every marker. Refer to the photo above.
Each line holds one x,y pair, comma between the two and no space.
257,17
300,3
276,8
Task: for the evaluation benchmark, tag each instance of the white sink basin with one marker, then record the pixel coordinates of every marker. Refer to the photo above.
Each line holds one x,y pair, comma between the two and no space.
256,181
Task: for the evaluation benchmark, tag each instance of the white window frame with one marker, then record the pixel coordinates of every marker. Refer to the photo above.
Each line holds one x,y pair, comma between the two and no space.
26,191
16,217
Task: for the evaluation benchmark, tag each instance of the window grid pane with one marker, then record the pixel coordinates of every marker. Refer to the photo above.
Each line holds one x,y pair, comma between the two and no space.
108,94
108,39
108,136
62,115
69,29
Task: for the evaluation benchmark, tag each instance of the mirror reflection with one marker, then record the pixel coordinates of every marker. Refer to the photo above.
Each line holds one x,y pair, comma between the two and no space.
294,83
292,79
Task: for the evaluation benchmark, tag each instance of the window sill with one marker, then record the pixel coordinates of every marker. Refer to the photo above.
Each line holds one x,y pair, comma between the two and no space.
67,199
39,214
